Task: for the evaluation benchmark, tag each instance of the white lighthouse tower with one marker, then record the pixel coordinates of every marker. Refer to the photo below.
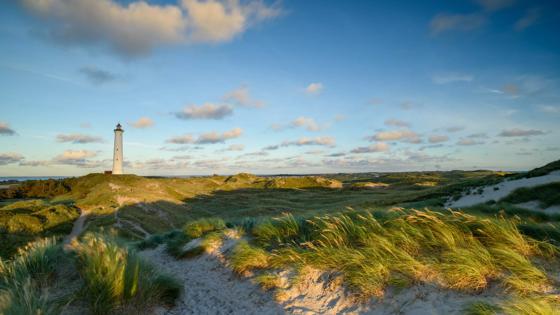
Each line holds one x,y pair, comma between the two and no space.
118,151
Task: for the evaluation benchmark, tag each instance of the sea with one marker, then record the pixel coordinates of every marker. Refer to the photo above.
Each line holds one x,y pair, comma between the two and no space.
24,178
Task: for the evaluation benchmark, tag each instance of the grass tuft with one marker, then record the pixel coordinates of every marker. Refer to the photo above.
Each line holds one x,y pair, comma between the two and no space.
198,228
246,257
22,279
116,279
268,281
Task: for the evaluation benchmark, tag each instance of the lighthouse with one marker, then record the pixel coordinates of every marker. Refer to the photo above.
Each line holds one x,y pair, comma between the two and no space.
118,151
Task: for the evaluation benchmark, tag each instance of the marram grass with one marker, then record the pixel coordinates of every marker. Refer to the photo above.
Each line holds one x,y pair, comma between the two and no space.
452,250
118,281
23,277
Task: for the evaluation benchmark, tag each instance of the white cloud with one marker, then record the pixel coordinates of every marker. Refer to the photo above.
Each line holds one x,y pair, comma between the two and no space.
444,22
206,111
184,139
35,163
218,21
236,147
175,163
396,135
242,97
530,17
215,137
451,77
323,141
301,122
78,138
78,158
142,122
454,128
5,129
314,88
10,157
469,142
516,132
396,123
480,135
137,27
307,123
438,138
71,155
378,147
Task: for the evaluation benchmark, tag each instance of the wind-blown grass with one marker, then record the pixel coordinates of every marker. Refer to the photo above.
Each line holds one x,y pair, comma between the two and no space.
116,280
22,278
246,257
453,250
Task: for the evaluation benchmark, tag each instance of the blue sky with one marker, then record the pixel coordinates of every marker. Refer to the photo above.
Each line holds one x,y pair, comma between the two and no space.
266,87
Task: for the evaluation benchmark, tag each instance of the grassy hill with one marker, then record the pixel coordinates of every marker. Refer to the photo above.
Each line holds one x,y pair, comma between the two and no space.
24,221
347,226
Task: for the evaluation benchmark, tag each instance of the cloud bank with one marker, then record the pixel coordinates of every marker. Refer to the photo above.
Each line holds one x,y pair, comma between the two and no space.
137,27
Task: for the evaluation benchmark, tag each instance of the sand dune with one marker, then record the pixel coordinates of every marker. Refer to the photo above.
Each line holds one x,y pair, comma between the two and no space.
501,190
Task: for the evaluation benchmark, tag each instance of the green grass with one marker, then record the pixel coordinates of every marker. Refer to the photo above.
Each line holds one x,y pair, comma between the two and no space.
24,221
454,250
547,195
198,228
116,280
541,171
481,308
246,257
268,281
533,305
23,278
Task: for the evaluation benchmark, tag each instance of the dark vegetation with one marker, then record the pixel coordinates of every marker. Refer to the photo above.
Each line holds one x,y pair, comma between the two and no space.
547,195
24,221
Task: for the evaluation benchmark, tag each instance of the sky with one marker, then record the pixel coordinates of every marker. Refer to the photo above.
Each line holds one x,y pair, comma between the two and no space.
277,87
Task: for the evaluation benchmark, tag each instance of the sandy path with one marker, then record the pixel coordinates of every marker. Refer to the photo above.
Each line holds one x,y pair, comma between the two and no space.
77,228
503,189
211,288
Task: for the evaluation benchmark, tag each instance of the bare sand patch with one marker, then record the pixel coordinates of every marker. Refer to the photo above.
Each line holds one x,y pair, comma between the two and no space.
501,190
